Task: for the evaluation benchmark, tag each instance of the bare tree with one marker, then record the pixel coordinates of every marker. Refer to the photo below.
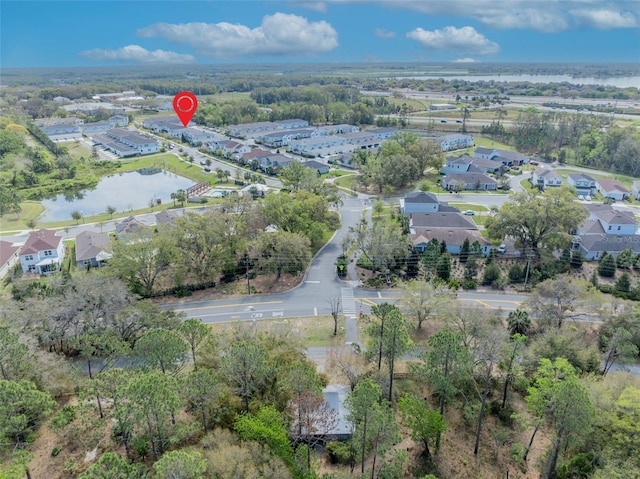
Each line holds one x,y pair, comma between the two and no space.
334,304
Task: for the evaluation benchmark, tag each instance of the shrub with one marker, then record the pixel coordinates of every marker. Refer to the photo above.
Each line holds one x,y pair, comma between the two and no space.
55,451
339,452
516,274
63,417
469,284
491,274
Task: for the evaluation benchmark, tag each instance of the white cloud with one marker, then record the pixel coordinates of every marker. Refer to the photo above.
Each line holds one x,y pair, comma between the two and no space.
279,34
465,60
312,5
605,19
541,15
382,33
465,39
137,54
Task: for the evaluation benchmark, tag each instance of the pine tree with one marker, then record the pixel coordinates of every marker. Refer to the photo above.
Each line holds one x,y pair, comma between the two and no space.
576,260
443,269
607,266
464,250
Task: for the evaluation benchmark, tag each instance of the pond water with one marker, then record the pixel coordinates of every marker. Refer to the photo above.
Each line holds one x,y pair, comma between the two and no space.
619,82
125,192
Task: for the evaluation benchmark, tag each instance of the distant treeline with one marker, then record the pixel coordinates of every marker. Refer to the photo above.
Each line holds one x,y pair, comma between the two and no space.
588,140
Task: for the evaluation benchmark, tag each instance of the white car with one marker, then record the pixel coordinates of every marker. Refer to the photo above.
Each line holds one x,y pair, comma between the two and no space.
588,198
469,212
580,197
502,248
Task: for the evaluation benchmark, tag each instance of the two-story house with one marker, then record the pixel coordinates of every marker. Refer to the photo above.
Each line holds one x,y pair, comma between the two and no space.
544,177
43,252
606,230
584,184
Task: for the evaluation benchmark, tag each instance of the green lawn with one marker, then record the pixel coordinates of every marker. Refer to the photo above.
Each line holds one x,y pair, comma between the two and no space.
480,220
526,184
469,206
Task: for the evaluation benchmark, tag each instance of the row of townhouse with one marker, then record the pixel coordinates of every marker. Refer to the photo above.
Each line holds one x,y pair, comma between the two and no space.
192,134
61,129
246,130
455,141
431,219
284,137
126,143
342,142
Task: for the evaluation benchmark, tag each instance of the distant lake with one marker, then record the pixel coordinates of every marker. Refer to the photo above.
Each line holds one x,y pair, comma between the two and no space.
125,192
619,82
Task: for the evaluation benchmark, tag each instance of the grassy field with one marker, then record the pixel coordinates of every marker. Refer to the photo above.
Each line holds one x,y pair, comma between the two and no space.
170,162
13,222
315,331
489,143
77,149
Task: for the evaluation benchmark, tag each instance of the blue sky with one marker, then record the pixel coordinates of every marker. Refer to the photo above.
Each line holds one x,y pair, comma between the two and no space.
88,32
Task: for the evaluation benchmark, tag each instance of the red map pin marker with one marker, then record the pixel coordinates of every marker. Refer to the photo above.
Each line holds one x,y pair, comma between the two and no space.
185,105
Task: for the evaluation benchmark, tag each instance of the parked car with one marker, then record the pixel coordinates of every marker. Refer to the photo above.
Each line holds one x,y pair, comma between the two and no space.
588,198
207,170
458,121
469,213
502,248
580,197
443,121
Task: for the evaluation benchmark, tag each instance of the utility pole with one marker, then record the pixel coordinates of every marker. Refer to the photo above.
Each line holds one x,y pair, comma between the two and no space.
526,276
246,263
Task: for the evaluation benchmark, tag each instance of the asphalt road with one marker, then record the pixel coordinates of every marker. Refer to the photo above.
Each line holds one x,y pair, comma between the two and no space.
309,300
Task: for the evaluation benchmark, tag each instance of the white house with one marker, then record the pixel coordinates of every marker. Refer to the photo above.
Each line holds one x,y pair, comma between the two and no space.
43,253
419,202
612,189
9,255
635,189
544,177
455,141
584,184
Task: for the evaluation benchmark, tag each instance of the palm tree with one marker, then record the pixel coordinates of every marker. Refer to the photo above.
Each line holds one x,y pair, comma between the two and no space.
519,322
